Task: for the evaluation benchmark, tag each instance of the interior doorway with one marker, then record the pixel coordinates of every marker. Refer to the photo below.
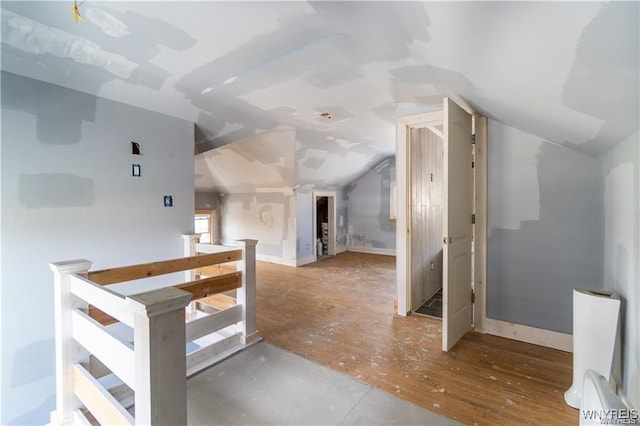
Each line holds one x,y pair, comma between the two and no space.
454,125
324,225
426,221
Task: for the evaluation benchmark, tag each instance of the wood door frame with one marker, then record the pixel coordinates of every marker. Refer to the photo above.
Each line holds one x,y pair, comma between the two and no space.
481,322
431,121
403,192
331,206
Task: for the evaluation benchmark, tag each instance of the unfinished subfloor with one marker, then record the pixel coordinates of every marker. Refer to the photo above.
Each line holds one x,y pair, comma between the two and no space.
265,385
339,313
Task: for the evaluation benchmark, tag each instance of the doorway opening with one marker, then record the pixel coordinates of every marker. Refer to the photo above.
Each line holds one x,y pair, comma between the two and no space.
426,221
324,225
454,125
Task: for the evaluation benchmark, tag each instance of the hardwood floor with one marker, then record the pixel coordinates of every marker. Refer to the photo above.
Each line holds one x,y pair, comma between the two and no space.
339,313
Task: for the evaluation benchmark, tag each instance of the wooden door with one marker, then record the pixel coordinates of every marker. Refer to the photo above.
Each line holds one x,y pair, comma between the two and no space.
458,207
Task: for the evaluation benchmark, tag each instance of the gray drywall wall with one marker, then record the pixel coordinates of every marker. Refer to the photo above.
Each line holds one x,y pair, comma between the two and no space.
304,225
544,230
342,219
206,200
621,174
268,217
369,205
68,193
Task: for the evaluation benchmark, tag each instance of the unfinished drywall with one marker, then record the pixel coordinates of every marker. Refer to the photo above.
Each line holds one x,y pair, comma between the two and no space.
621,174
207,200
342,220
541,243
68,193
269,156
368,205
304,225
269,218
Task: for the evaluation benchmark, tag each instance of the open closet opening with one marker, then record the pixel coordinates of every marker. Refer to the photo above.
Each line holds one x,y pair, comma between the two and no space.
426,221
322,226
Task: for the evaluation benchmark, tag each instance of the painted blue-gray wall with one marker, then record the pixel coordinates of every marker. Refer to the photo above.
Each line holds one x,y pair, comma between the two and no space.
68,193
545,228
368,207
621,175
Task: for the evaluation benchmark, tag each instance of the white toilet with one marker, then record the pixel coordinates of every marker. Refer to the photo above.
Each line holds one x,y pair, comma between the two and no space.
600,405
596,341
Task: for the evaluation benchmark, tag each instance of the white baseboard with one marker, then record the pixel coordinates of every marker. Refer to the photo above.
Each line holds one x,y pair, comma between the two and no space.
276,259
305,260
524,333
372,250
285,260
341,249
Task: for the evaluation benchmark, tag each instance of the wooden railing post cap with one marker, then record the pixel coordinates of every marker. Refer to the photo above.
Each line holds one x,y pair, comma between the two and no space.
190,236
158,302
71,266
246,242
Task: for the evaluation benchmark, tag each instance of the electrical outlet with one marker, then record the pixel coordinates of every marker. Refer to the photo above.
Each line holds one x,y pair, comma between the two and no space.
362,237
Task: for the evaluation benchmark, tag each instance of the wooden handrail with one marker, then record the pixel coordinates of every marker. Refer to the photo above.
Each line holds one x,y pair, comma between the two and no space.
212,285
145,270
154,366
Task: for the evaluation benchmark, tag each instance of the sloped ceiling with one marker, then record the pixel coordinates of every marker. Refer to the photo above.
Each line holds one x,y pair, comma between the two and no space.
565,71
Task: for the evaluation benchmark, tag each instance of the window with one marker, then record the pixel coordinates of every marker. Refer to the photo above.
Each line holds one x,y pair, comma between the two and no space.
204,225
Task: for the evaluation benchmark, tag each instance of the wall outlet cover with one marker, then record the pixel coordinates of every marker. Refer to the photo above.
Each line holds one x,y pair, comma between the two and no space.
135,170
168,200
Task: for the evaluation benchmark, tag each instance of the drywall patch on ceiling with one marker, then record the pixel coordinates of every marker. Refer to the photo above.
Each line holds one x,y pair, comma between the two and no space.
269,156
314,162
82,57
540,46
54,190
337,39
30,36
604,80
149,75
446,82
109,24
236,113
61,106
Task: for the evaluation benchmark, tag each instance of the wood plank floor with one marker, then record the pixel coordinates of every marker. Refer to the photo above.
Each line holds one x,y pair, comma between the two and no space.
339,313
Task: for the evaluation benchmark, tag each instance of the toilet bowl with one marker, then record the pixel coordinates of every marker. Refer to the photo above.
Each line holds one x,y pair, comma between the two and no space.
595,337
600,405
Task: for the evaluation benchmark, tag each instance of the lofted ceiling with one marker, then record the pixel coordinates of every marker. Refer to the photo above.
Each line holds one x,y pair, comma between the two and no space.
563,71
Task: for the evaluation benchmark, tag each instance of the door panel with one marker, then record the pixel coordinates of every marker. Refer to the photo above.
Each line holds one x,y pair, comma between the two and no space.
458,207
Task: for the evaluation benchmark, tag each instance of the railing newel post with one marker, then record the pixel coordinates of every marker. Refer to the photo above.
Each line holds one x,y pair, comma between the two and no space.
160,357
246,295
68,352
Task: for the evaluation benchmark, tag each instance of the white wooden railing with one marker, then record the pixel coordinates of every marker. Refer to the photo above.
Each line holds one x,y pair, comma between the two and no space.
133,368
